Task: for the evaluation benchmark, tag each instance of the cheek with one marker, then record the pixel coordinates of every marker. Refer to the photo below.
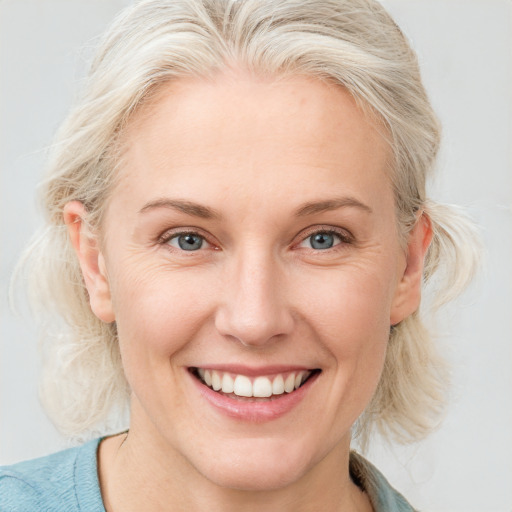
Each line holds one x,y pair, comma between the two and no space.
350,303
157,314
350,314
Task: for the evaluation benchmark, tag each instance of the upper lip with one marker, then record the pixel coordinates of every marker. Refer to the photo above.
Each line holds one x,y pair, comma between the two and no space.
254,371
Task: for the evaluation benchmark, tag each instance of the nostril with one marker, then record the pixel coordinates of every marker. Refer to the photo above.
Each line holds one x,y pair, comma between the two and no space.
253,329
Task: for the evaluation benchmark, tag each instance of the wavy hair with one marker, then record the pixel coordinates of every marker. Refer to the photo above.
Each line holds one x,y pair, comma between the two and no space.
353,43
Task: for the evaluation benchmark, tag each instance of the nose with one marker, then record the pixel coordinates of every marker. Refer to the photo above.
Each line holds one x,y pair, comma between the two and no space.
254,309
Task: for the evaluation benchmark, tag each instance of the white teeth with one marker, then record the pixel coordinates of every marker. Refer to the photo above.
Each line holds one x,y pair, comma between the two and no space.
228,384
243,386
289,383
262,387
278,385
216,382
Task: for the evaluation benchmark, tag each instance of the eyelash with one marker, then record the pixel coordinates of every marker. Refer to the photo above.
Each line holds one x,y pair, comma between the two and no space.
170,235
345,238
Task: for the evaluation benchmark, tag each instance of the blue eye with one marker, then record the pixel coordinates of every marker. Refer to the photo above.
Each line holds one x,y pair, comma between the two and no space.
187,242
321,240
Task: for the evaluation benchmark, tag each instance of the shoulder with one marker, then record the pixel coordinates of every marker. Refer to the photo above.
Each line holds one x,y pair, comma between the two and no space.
382,496
65,480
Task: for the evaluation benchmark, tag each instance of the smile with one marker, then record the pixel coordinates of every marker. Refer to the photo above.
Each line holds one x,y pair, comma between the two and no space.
242,386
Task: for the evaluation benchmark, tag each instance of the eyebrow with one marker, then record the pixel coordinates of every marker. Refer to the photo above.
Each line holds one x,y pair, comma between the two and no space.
204,212
188,207
331,204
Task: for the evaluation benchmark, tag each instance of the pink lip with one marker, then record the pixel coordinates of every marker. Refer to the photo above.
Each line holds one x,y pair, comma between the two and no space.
255,412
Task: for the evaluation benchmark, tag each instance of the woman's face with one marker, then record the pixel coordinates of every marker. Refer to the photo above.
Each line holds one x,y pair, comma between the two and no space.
251,243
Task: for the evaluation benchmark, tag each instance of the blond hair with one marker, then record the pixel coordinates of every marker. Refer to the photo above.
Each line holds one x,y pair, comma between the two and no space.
353,43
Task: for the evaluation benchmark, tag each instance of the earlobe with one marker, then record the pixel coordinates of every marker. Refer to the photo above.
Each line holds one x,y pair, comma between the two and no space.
91,259
408,292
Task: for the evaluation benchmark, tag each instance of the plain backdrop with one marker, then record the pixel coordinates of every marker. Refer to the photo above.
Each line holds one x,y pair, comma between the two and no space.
465,50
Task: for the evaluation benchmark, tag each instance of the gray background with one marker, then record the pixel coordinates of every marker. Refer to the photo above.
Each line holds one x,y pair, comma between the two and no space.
465,48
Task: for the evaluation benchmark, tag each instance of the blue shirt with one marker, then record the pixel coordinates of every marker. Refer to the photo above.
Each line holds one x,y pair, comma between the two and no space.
67,481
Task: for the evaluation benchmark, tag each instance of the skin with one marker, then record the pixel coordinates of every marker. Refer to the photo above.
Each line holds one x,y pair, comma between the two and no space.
275,161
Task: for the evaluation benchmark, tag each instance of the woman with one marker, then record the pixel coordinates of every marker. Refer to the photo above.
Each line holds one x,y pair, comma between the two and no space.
238,234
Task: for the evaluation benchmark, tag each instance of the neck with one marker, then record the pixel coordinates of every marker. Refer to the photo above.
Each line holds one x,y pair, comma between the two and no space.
139,473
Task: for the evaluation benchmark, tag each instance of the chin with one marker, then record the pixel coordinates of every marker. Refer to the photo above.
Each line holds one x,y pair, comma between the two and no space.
257,469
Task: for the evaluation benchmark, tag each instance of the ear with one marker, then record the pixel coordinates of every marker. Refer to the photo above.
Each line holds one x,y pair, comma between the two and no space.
408,292
91,260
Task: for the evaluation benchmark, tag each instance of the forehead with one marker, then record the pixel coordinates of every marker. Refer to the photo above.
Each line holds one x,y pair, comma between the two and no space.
237,129
320,110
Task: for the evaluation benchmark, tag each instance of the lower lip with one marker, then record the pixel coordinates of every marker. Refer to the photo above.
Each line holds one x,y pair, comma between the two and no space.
255,412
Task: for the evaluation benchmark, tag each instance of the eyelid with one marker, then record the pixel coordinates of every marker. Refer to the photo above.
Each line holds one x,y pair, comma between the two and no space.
169,234
345,236
174,242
